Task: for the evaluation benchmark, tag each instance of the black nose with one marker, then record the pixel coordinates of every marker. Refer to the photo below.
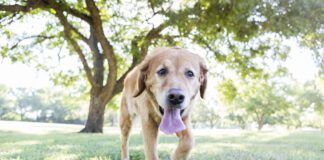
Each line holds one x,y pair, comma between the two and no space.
175,98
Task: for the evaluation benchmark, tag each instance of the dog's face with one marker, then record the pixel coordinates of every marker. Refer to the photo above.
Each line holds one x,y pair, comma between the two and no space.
174,76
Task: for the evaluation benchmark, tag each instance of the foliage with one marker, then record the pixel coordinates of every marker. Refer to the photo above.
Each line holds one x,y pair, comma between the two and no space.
4,102
240,118
235,31
204,116
310,95
309,98
255,99
42,105
270,102
111,118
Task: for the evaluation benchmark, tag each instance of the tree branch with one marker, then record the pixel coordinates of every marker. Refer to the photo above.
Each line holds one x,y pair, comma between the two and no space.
207,45
65,7
81,36
31,4
106,46
30,37
34,4
98,59
10,19
138,55
150,36
76,47
59,8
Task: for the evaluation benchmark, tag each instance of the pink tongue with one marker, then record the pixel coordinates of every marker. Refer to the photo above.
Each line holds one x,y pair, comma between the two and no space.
171,121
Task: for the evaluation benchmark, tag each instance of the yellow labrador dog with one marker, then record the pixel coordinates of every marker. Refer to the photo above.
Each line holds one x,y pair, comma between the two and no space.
161,91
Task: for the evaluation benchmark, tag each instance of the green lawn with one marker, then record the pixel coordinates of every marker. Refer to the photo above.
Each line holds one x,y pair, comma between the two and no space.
222,145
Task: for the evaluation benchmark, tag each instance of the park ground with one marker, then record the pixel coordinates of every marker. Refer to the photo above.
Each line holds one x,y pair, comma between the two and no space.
26,140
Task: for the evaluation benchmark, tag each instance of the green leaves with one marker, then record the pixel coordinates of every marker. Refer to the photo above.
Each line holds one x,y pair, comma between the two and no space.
41,105
260,101
210,23
66,78
228,91
273,102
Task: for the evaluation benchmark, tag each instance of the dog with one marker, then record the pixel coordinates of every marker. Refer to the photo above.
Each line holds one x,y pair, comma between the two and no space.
162,90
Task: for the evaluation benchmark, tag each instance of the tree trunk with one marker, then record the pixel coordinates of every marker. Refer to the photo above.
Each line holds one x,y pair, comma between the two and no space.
21,113
96,113
260,124
260,120
97,107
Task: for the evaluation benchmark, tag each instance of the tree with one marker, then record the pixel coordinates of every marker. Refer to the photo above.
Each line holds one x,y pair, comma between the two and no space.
81,24
242,28
41,105
108,33
4,102
310,95
255,99
25,102
241,119
262,102
205,116
309,98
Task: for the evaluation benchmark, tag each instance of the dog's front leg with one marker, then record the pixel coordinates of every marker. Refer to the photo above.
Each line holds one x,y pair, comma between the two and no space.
186,142
150,135
125,123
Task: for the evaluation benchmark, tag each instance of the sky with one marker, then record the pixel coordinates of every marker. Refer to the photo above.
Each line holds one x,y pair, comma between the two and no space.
21,75
301,64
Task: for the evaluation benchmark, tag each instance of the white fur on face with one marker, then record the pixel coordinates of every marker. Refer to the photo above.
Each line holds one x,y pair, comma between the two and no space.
175,79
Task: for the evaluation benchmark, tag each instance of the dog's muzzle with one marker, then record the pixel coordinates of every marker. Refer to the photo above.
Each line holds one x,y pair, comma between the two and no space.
162,110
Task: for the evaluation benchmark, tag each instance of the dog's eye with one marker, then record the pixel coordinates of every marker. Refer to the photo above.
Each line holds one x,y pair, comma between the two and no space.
162,72
190,74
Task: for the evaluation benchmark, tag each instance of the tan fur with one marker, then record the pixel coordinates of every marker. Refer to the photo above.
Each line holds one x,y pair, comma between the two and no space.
144,89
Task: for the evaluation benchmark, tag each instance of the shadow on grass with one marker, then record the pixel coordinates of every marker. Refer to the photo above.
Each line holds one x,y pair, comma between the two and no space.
251,145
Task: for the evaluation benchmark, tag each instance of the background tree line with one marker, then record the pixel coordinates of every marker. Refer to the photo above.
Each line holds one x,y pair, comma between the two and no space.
248,104
48,105
41,105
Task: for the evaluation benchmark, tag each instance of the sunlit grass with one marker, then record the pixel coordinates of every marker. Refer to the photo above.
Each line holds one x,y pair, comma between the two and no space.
294,145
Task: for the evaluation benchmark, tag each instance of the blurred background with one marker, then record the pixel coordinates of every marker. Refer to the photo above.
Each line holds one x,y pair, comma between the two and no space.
265,59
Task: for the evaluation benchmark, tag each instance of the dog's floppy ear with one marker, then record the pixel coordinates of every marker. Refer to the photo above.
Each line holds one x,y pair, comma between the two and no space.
203,79
141,78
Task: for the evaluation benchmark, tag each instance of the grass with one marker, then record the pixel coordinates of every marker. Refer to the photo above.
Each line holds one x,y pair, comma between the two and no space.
60,143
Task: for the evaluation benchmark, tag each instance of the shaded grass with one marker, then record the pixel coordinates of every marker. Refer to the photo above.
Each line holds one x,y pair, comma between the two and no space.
244,145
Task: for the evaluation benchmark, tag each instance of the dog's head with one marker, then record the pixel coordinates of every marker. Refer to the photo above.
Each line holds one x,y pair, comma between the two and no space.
174,76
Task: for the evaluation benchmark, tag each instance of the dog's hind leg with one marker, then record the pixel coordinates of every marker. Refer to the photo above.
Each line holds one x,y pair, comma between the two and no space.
125,124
